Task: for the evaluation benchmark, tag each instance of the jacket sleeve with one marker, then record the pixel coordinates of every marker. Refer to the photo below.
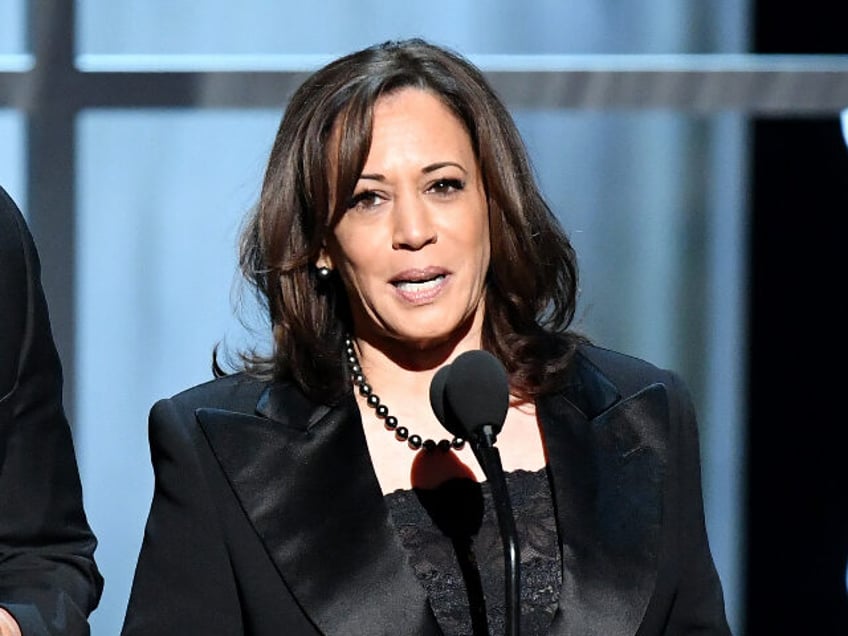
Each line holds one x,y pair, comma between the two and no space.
699,603
48,578
183,582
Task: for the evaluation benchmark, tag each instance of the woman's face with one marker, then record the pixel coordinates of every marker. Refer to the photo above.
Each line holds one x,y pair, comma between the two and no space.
413,245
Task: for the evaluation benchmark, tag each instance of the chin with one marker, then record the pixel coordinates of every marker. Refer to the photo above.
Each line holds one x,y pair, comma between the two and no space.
435,342
425,331
429,337
422,339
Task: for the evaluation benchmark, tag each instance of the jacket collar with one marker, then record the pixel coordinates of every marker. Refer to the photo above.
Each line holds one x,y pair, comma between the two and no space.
606,457
350,577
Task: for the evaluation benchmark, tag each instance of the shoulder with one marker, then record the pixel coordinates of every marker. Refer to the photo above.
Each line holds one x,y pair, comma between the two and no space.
601,377
173,428
238,393
628,372
16,278
11,221
15,240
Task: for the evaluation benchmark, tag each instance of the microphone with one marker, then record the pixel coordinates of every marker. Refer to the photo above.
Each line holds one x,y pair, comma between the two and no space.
470,397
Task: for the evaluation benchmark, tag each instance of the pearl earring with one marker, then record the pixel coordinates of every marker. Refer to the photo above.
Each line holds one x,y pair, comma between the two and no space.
324,272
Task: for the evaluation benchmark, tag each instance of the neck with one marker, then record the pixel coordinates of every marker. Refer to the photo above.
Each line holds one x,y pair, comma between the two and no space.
400,374
396,368
378,351
383,350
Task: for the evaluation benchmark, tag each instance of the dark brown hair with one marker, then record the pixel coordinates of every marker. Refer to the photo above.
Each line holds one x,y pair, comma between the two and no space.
532,279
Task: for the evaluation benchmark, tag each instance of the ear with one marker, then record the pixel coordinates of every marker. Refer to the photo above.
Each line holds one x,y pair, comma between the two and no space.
324,259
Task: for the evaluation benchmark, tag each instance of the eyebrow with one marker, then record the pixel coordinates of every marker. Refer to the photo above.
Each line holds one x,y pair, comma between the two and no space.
425,170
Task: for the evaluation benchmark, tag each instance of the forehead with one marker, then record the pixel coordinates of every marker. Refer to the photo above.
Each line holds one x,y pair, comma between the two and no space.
360,142
411,97
416,122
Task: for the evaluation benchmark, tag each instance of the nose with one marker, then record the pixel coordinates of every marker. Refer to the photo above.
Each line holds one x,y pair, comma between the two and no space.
413,224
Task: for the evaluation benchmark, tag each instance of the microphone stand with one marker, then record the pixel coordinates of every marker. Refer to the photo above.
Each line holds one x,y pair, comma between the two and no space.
483,445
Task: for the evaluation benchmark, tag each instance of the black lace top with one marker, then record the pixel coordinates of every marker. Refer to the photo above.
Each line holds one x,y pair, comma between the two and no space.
452,537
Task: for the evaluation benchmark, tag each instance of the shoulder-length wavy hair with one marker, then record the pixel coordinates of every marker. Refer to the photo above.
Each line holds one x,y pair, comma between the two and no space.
532,280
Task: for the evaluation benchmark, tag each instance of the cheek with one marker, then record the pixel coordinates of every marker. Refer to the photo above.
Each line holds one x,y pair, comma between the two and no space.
357,268
356,243
343,250
359,260
486,237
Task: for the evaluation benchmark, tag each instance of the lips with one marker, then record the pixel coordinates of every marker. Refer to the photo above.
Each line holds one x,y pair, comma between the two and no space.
420,285
414,285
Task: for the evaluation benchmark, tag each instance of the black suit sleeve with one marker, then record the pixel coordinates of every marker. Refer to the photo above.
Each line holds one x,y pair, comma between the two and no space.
48,578
699,603
183,582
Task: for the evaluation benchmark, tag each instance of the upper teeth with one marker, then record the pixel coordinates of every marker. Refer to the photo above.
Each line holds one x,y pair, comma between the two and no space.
419,284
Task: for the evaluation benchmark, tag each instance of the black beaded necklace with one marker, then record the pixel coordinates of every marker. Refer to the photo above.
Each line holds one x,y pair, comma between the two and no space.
382,411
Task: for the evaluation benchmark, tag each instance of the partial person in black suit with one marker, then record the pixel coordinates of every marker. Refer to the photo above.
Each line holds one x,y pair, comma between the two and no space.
399,227
49,582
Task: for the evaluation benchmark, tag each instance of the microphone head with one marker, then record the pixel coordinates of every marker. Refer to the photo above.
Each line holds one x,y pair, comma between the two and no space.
437,392
475,394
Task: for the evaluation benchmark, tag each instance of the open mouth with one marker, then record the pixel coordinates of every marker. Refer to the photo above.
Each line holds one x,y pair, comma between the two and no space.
419,285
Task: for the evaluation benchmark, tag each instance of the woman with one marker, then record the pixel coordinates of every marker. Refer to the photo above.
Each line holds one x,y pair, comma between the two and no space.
399,226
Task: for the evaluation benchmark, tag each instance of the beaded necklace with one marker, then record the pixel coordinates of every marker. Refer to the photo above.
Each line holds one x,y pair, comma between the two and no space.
402,433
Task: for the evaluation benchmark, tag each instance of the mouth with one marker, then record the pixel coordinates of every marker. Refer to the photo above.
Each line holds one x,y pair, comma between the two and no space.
420,285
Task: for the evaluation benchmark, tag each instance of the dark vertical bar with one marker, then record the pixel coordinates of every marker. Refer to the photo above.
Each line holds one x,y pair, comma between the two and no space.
51,172
798,440
798,474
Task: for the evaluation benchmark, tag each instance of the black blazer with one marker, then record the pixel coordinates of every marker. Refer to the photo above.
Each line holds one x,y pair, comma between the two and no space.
267,517
48,577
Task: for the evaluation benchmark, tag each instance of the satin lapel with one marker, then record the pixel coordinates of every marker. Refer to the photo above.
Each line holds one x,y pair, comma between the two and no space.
305,480
608,473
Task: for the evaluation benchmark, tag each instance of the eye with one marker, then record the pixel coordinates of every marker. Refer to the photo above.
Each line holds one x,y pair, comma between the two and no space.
365,200
447,186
